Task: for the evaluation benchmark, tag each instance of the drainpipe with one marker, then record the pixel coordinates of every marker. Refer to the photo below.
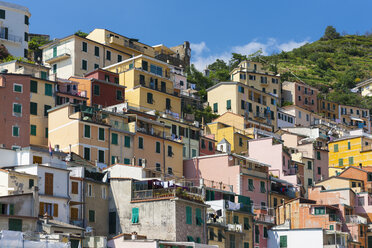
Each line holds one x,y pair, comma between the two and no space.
189,132
164,173
109,146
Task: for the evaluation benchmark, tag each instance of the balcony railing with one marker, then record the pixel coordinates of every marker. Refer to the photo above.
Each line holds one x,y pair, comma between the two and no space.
265,218
164,193
6,36
235,227
77,222
355,219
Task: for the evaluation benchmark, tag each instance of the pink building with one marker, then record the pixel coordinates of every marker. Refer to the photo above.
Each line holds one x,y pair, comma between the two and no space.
15,110
274,153
207,145
301,95
68,91
247,176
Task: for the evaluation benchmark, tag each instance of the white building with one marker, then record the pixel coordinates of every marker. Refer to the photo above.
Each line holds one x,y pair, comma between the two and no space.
285,119
14,26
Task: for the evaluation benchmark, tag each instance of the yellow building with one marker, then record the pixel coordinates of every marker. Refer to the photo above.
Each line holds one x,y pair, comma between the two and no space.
149,87
328,109
258,108
81,129
119,42
253,74
349,151
365,87
237,138
41,100
338,182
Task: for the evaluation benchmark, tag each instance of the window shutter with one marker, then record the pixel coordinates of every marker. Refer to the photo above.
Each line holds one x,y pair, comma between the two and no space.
127,141
55,210
41,208
11,209
135,217
188,215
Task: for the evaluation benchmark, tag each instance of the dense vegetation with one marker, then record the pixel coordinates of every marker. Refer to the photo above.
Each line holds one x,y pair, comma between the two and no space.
334,64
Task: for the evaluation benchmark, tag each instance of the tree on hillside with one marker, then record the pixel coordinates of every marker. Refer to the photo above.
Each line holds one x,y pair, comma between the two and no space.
81,34
330,33
236,59
219,71
3,52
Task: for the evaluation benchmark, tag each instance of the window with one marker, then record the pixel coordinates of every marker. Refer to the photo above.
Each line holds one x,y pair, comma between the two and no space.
157,147
2,14
319,170
84,46
33,86
240,141
48,178
135,216
55,68
265,235
17,109
84,65
120,58
250,185
15,132
18,88
33,130
220,236
156,70
101,134
150,99
92,216
198,217
114,138
127,141
246,245
26,36
236,219
215,107
184,151
101,156
283,241
46,108
318,155
246,223
140,142
157,167
228,104
96,51
188,215
90,190
48,90
74,188
108,55
242,104
15,224
309,181
351,160
119,95
193,153
103,192
168,104
113,160
262,188
353,184
127,161
86,131
340,162
87,153
96,89
335,147
170,151
256,234
33,108
241,89
210,146
299,98
96,66
348,145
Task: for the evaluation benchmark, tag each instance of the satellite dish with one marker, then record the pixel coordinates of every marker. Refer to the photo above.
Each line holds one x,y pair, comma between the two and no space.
230,158
88,229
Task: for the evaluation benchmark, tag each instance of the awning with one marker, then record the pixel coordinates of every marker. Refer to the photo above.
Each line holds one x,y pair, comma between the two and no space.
356,119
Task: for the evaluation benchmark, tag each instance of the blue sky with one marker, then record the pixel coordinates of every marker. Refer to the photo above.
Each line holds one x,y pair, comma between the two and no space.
215,28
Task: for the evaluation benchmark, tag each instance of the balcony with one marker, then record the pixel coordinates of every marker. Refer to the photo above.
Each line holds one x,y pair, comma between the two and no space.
265,218
259,115
77,222
126,127
166,193
9,37
235,228
53,58
369,187
125,43
355,219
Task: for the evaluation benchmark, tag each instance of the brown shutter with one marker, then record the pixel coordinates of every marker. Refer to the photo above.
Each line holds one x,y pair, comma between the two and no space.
55,211
41,208
74,213
74,188
48,183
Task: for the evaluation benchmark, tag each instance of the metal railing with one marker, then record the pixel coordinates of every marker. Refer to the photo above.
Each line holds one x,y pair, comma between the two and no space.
355,219
6,36
164,193
265,218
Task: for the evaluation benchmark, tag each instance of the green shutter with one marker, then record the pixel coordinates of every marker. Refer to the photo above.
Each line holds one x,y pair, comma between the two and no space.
149,98
2,14
96,89
15,225
114,138
246,245
127,141
30,183
190,239
140,142
54,51
318,155
15,131
18,88
17,108
46,132
198,217
157,149
43,75
92,216
246,223
215,107
33,130
265,232
112,159
126,161
198,240
33,86
309,165
86,131
135,217
348,145
228,104
263,190
257,234
283,241
351,160
335,147
236,219
188,215
48,90
101,133
11,209
340,162
46,108
33,108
